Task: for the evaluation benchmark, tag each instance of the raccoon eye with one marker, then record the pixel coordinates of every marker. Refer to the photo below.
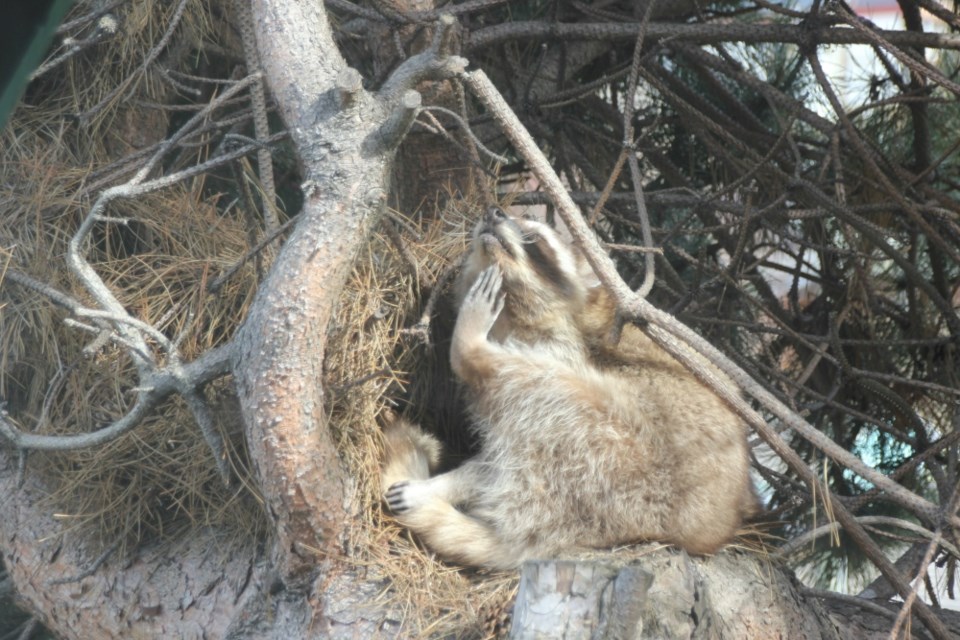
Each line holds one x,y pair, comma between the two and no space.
543,259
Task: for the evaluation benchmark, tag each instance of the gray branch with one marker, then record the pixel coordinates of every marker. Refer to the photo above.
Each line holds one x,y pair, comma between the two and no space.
204,417
432,64
392,132
709,33
155,387
155,382
349,84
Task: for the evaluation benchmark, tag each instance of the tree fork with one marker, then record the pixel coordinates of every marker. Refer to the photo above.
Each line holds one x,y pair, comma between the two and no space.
345,138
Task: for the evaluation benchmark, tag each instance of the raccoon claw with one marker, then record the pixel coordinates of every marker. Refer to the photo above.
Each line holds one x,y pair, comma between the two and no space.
395,497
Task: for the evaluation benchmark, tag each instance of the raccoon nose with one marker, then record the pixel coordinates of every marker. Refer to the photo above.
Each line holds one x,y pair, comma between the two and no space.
494,215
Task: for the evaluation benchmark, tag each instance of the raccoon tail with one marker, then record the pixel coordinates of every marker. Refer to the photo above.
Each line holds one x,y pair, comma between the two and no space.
409,453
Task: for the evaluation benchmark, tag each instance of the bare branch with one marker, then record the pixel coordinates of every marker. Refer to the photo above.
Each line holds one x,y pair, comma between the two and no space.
261,126
912,596
392,132
349,84
465,127
156,386
432,64
700,33
204,417
797,544
96,14
629,147
106,28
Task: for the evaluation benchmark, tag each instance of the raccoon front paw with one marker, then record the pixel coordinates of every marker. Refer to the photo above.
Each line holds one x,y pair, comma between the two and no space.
396,497
483,303
408,495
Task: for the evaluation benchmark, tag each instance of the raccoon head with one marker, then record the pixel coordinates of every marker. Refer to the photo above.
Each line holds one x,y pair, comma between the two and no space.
542,277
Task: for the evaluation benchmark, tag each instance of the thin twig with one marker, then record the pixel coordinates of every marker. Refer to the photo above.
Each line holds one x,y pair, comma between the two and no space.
466,129
152,55
29,627
797,544
698,33
106,28
912,596
629,145
863,603
261,127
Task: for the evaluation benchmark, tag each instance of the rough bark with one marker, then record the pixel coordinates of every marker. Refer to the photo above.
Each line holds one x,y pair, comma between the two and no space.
664,595
281,344
668,595
190,588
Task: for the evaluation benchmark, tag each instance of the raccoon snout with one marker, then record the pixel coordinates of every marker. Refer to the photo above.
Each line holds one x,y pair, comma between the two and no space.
495,215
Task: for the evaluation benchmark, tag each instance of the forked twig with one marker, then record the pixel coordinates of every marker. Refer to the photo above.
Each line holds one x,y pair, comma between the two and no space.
157,378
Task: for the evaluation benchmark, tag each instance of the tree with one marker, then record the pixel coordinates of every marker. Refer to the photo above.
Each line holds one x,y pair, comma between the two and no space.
734,167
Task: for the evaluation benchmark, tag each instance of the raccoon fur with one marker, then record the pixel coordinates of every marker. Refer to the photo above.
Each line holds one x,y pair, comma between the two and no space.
583,444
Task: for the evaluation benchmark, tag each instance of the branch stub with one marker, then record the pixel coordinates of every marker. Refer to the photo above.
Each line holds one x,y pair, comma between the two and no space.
349,84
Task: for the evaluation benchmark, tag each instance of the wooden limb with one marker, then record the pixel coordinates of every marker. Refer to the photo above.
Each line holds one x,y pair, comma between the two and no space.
392,132
700,33
261,127
157,386
432,64
661,593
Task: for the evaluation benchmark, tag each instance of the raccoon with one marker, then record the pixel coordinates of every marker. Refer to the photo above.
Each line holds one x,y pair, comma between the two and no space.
582,445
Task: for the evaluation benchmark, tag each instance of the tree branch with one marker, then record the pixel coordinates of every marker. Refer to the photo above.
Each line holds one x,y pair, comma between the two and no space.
154,387
700,33
282,341
258,102
433,64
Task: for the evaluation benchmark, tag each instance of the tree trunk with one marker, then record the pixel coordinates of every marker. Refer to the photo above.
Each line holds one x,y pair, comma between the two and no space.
670,596
664,595
188,588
